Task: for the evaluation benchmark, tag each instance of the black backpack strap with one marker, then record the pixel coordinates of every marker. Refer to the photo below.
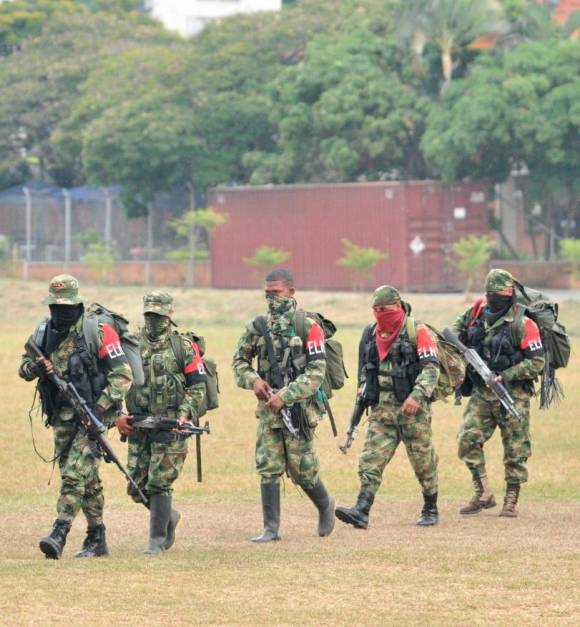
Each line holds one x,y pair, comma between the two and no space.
261,325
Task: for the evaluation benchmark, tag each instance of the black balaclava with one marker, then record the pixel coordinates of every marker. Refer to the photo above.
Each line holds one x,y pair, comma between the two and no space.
62,318
498,305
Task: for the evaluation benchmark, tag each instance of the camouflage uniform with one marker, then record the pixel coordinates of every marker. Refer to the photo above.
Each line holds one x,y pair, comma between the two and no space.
77,456
276,450
302,463
388,425
484,411
171,389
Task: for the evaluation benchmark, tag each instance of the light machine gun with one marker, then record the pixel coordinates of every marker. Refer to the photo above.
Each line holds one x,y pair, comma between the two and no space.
476,362
361,403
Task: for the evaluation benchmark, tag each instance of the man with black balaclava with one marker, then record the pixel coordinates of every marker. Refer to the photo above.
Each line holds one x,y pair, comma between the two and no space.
103,379
511,346
174,387
301,364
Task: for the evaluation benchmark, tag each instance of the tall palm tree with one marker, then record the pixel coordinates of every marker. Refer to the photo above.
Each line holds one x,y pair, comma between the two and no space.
452,25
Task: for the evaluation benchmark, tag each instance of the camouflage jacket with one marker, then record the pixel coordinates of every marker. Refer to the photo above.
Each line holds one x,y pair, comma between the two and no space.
307,359
426,381
111,360
171,389
524,336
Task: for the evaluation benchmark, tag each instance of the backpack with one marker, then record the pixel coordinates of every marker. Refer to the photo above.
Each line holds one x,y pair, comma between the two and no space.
544,312
452,364
335,370
212,386
96,314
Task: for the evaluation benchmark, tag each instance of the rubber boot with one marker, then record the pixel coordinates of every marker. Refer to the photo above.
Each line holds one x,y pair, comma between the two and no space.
271,510
357,516
429,515
482,497
95,544
159,513
52,545
174,519
511,500
325,505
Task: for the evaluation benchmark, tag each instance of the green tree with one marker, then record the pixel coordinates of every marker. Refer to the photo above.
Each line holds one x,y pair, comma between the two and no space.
449,25
267,257
571,251
99,260
514,112
361,261
471,254
40,84
189,226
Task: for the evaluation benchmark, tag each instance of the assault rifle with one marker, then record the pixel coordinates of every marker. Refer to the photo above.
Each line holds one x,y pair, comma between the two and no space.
476,362
90,422
164,423
362,402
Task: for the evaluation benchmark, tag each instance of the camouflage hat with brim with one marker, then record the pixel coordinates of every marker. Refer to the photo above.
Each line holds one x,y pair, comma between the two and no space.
498,280
63,290
158,303
386,295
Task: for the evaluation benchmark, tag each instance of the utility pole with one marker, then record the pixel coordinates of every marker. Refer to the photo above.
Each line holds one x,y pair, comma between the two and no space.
149,243
26,266
67,239
108,216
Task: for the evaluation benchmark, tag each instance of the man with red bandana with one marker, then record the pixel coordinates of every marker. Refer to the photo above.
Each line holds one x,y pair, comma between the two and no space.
398,373
511,346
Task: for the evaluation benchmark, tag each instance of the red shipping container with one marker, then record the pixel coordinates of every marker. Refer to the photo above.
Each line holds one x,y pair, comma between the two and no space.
415,223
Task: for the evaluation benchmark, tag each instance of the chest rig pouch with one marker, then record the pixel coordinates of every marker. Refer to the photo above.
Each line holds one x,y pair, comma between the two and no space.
163,391
84,373
404,366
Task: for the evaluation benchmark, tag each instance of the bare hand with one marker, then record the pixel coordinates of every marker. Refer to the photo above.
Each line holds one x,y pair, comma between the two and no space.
183,419
262,390
410,406
47,365
498,379
275,403
123,424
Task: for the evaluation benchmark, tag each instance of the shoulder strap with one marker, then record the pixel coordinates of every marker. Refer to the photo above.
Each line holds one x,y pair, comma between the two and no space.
411,329
517,323
261,324
300,323
177,346
91,332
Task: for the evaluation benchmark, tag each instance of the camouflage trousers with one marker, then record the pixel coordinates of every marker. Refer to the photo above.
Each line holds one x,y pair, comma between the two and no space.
480,420
80,486
277,450
154,465
387,428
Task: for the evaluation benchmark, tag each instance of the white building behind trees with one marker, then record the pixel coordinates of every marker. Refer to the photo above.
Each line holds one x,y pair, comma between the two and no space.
188,17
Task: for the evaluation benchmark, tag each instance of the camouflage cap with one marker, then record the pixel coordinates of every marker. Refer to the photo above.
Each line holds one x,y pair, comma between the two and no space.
498,280
63,290
386,295
157,302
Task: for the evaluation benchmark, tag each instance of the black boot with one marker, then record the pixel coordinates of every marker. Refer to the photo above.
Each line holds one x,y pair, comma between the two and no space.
325,506
159,512
95,544
429,514
271,510
52,545
358,516
174,519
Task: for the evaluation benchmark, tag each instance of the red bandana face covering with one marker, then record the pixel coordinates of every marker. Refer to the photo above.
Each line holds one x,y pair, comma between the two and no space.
388,322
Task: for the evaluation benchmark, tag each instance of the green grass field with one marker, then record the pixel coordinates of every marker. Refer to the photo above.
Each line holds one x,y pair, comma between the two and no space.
485,570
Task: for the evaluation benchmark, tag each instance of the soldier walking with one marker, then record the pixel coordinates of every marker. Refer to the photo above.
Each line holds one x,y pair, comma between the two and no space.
174,388
399,373
511,346
102,378
301,364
